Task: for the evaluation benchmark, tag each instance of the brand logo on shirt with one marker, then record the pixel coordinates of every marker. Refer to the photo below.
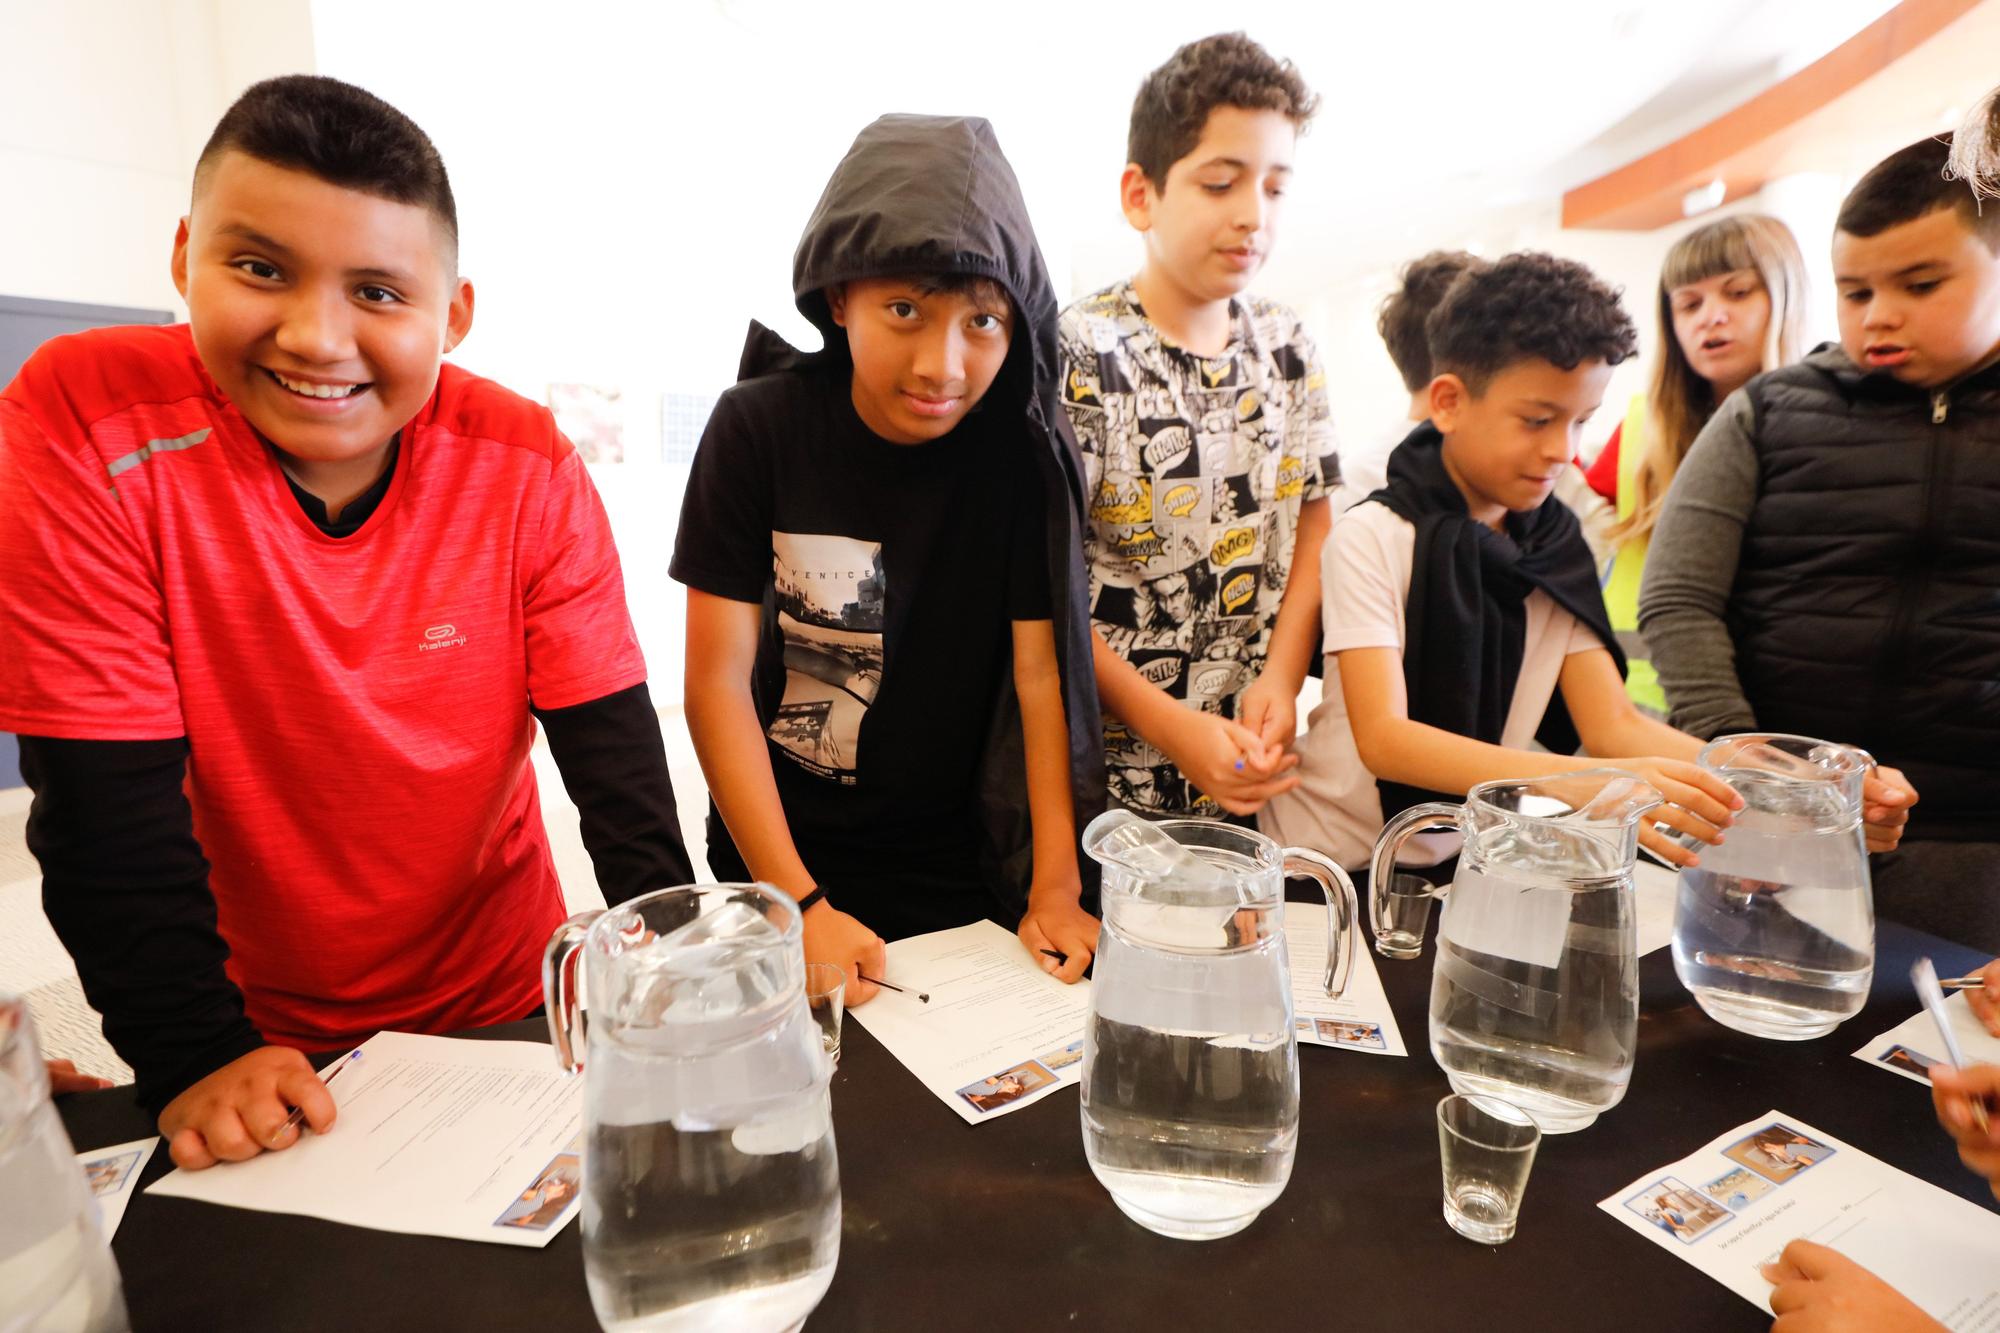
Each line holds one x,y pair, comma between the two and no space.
439,637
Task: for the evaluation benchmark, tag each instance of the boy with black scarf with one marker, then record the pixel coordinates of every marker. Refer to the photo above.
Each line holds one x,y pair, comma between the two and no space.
1456,600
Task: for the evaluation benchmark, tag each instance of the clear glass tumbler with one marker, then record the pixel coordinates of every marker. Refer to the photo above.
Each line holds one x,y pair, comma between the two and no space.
1488,1147
826,996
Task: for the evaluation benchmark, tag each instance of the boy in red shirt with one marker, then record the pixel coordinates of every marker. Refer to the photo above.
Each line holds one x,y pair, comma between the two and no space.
280,599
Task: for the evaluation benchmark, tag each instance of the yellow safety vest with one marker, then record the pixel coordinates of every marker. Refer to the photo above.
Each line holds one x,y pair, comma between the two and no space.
1621,589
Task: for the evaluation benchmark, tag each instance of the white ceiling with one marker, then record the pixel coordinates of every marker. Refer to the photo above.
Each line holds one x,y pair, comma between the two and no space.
621,156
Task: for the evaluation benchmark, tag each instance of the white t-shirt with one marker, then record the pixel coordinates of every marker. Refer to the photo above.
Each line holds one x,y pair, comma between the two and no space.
1365,582
1364,466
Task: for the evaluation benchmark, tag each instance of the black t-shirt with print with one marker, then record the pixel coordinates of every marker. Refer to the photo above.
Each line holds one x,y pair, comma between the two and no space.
890,576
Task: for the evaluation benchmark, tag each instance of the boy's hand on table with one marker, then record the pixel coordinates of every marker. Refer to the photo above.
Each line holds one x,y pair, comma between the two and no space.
1228,761
63,1077
1270,710
1699,804
1056,921
1985,1003
832,936
240,1110
1818,1290
1886,798
1952,1092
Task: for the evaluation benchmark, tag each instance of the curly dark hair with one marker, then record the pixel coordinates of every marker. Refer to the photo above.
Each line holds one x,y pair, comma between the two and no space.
1424,283
1227,69
1912,183
1528,306
342,134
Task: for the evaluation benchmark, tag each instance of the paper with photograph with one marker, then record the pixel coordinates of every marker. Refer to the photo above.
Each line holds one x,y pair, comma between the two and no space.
478,1140
113,1174
1733,1205
1360,1019
998,1032
1912,1046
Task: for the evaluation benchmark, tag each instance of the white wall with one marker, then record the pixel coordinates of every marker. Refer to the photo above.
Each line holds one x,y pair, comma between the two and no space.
104,105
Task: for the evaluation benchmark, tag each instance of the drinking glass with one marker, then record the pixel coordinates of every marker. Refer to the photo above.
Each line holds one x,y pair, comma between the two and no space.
1487,1146
826,996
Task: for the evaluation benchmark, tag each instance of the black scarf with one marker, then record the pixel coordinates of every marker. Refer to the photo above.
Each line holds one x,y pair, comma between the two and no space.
1466,618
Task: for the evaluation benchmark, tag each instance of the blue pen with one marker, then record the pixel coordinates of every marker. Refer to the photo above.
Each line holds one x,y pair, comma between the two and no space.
298,1117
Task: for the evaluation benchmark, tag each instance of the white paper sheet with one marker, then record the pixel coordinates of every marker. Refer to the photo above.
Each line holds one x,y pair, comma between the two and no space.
998,1032
1737,1201
479,1140
1654,888
1912,1045
1360,1019
113,1174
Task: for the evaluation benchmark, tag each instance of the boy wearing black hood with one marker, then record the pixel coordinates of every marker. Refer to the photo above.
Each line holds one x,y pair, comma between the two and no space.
888,672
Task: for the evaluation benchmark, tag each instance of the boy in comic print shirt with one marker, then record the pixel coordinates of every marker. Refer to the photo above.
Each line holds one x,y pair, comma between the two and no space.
1207,448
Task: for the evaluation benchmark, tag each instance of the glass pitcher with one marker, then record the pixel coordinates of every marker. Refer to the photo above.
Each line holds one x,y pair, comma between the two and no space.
1774,932
1190,1076
1535,991
711,1194
56,1270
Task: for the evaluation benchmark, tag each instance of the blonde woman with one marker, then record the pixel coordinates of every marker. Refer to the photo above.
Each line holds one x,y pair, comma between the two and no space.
1731,304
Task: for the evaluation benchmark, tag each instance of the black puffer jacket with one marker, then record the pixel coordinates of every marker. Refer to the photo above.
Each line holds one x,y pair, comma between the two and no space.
1867,600
933,194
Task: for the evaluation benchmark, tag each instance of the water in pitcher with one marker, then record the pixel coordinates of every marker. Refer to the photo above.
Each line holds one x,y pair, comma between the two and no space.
1190,1072
1534,995
712,1186
1774,930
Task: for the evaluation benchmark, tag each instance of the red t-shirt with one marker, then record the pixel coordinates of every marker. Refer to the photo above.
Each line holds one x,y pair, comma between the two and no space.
1602,474
356,708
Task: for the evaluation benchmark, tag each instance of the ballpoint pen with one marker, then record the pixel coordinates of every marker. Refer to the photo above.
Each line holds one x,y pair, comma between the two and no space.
298,1115
1924,974
877,981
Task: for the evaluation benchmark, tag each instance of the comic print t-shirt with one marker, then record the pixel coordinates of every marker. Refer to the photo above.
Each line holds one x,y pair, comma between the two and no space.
1196,468
890,576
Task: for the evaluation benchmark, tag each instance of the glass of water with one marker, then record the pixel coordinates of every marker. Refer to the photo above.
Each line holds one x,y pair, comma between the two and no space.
1488,1147
1402,915
826,996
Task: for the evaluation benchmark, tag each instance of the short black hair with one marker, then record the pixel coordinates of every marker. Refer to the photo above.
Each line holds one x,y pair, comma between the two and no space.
1527,306
1909,184
1227,69
1424,283
342,134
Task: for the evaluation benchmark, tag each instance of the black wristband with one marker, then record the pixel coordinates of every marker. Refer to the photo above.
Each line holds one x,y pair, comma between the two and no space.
811,900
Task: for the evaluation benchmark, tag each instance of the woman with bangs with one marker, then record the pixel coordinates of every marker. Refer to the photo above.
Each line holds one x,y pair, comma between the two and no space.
1731,305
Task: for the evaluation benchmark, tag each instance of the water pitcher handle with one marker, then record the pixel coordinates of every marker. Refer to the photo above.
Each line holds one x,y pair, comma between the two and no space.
1382,871
559,989
1342,911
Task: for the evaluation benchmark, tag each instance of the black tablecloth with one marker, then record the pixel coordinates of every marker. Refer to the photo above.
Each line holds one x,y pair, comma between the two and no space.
951,1224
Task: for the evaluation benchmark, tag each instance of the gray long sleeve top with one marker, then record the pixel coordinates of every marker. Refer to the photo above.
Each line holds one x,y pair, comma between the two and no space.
1690,570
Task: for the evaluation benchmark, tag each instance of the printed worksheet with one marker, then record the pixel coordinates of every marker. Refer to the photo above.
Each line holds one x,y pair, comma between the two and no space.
437,1136
1912,1046
1733,1205
1654,888
995,1033
113,1173
1360,1019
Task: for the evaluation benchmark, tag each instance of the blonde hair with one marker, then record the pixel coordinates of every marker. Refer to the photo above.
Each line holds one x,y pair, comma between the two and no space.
1679,402
1975,149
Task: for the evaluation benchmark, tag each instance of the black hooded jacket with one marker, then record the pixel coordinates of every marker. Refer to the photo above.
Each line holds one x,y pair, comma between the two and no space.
934,195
